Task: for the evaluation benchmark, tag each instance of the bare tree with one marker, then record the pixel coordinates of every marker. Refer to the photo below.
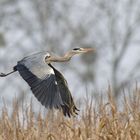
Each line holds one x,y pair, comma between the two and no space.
123,20
60,25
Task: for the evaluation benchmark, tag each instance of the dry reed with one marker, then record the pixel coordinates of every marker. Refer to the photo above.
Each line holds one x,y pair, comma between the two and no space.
100,121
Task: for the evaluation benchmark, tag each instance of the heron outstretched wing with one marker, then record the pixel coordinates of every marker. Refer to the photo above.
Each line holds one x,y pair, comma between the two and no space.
47,84
68,106
45,89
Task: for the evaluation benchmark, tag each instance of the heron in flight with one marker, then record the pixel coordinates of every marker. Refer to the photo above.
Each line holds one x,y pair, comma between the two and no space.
47,84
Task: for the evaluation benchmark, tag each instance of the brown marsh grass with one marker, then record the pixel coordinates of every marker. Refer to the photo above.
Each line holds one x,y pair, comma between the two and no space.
100,121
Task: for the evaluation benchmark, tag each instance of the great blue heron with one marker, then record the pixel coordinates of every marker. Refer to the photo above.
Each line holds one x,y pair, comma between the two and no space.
48,84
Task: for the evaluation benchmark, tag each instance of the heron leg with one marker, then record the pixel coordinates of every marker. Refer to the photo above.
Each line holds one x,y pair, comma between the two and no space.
6,74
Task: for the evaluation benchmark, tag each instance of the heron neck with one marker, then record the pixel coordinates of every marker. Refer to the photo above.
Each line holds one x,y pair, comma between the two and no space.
69,55
64,58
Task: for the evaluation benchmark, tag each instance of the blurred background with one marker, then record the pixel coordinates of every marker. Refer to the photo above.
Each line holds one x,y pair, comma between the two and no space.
112,27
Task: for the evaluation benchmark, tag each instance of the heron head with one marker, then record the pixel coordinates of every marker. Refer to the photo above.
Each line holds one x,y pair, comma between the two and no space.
49,58
82,50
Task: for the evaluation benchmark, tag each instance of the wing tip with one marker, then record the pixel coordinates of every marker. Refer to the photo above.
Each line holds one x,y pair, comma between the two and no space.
70,111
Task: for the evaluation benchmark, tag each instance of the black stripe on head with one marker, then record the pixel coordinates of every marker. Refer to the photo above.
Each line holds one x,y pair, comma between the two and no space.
75,49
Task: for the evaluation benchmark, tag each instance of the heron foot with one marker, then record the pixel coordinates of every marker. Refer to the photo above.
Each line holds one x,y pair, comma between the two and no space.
2,74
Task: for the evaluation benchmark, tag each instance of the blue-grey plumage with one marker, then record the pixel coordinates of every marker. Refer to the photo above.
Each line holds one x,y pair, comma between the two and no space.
48,84
36,64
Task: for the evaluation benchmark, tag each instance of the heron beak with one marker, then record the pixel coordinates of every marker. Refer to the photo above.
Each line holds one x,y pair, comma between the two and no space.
86,50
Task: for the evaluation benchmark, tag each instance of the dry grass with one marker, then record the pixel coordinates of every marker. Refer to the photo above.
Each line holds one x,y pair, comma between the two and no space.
103,121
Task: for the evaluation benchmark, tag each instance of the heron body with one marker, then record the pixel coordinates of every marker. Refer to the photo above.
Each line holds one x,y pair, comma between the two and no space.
36,64
47,84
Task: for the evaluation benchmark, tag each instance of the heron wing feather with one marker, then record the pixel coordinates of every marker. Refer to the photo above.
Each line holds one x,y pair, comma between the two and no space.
68,106
45,89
